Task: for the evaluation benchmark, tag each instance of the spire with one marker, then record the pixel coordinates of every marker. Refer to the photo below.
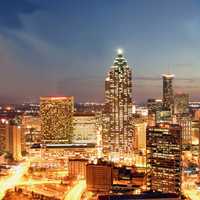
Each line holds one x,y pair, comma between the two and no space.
120,61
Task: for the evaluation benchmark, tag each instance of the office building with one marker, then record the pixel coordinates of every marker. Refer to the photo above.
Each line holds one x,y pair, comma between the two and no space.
164,116
31,126
56,119
164,158
99,177
140,125
154,105
84,128
185,121
77,167
181,103
195,132
15,139
118,108
11,139
168,98
4,130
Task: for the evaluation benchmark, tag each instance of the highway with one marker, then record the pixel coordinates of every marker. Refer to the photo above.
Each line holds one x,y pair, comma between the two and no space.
14,179
76,191
189,187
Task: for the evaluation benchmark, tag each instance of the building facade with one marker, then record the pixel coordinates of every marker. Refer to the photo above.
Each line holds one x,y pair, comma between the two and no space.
168,98
31,126
181,103
85,128
77,167
56,119
99,177
118,108
164,158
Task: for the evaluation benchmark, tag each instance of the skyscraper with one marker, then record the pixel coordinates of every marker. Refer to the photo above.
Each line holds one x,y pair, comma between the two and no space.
164,158
118,96
168,98
56,119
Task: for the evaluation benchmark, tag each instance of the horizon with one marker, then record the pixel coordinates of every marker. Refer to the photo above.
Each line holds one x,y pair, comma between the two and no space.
63,48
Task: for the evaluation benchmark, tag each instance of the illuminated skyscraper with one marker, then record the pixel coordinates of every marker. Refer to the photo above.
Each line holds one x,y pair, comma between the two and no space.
56,119
118,138
168,98
164,158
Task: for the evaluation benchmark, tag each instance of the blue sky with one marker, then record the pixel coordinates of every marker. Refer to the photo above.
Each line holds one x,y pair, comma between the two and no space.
65,47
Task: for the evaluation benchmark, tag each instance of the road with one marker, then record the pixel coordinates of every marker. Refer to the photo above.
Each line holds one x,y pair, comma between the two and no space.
13,179
189,187
76,191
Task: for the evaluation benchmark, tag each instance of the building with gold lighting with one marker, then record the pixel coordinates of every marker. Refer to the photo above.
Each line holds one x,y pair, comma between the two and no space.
164,158
56,119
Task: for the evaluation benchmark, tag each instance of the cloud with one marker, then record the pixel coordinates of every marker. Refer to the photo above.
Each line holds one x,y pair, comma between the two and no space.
10,11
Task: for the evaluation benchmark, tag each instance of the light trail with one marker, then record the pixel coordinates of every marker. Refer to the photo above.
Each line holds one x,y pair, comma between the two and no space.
76,192
38,182
14,179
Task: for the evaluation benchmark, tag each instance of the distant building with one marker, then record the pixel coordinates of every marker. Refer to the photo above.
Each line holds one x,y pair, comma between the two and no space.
185,121
11,139
4,130
56,119
77,167
99,177
181,103
85,128
164,158
168,95
164,116
118,107
151,119
15,141
154,105
140,125
31,125
195,132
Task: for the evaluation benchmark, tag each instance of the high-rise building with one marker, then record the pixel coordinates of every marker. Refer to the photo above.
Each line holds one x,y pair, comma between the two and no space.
140,125
168,99
4,129
164,158
181,103
56,119
185,121
11,139
15,141
31,126
118,108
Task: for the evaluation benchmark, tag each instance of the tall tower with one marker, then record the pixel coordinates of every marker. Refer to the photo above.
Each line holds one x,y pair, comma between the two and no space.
168,91
118,139
56,119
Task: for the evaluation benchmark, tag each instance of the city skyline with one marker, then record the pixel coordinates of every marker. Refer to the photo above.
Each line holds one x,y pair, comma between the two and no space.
41,60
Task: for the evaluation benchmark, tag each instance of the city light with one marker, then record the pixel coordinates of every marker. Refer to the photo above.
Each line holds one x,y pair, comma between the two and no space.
79,123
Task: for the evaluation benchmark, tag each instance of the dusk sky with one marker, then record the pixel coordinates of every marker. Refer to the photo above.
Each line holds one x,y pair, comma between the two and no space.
65,47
